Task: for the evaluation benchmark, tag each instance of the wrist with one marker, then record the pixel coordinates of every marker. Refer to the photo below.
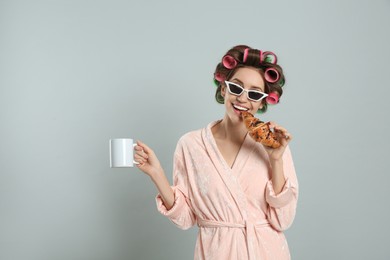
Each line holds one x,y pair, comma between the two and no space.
157,175
276,162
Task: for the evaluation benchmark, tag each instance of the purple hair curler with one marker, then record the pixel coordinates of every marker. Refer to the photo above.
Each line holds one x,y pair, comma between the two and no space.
272,98
229,62
271,75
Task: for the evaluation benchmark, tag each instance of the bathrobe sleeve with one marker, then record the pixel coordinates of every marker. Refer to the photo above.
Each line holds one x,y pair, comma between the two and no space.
181,214
282,207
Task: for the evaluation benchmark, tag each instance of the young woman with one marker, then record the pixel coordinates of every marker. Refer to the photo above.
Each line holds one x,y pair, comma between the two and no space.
240,193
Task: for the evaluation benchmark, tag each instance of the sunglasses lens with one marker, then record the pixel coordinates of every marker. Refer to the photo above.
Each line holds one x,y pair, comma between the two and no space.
255,95
235,89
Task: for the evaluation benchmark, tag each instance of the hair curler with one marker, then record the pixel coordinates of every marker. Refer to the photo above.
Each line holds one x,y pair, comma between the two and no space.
229,62
245,55
219,77
272,99
269,57
271,75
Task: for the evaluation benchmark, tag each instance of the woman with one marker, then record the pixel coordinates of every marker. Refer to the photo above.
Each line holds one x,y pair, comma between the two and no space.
240,193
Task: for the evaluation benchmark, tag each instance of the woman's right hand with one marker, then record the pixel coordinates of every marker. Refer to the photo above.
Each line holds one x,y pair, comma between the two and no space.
149,164
147,160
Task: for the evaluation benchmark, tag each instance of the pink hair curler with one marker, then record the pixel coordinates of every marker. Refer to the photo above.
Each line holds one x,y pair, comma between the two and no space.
219,77
272,98
245,54
269,57
261,56
271,75
229,62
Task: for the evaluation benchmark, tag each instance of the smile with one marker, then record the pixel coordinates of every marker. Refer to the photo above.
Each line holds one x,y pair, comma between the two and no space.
240,108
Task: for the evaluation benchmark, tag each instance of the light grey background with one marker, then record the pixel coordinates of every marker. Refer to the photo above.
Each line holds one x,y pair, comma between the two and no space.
74,74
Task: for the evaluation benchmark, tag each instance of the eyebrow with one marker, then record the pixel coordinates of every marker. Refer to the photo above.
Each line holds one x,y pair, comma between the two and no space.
239,81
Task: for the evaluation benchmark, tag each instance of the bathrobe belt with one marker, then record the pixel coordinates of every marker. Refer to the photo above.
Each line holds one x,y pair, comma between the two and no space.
249,228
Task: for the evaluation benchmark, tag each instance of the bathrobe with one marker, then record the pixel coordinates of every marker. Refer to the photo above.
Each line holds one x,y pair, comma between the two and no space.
236,209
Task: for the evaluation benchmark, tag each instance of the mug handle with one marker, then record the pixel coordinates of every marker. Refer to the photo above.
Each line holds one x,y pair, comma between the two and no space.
133,158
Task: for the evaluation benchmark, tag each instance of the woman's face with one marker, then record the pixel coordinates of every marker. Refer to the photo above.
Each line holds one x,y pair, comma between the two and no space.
249,79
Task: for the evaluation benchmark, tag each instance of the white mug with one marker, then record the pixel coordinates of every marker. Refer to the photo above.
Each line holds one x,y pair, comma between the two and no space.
122,152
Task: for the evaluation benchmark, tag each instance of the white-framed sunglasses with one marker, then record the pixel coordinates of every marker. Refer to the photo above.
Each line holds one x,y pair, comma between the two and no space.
237,90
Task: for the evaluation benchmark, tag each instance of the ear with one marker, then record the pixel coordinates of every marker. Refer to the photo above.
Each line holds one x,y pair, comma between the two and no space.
223,90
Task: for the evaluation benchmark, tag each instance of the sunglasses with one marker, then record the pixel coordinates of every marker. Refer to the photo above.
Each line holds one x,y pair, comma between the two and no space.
237,90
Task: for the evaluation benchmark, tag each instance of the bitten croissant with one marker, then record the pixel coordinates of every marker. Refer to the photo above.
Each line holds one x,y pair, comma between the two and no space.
259,130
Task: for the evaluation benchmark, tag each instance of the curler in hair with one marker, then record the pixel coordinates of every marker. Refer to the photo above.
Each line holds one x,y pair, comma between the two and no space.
229,62
261,53
216,82
219,77
269,57
272,99
281,82
271,75
245,55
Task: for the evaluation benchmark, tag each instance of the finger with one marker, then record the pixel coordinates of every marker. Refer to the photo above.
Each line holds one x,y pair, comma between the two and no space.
280,128
144,166
276,128
140,158
284,135
141,154
285,140
146,148
287,135
141,166
138,148
283,131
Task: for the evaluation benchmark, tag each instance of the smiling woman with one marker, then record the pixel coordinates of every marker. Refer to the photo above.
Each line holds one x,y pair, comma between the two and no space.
252,83
241,193
264,61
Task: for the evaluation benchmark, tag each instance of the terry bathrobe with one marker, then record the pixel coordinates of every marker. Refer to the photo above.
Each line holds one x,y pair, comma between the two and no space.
238,214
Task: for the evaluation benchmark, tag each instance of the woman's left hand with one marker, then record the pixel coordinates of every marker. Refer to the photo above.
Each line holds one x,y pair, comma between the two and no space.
283,136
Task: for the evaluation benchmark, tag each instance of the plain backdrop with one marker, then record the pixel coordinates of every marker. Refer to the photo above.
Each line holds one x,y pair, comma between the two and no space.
74,74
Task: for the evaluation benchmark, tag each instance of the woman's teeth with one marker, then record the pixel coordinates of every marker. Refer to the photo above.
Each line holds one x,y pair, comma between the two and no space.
240,108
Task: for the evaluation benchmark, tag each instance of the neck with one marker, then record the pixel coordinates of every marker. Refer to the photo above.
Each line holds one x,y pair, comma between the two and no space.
234,131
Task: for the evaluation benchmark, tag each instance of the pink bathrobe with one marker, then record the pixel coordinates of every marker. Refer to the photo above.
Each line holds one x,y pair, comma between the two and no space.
238,214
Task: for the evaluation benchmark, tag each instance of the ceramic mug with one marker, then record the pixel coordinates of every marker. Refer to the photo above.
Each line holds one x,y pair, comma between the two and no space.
122,153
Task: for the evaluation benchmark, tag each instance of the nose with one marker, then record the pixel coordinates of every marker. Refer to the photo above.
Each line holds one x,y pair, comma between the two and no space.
243,97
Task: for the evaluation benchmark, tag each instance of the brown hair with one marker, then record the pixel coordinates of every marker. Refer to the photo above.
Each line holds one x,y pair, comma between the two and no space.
223,73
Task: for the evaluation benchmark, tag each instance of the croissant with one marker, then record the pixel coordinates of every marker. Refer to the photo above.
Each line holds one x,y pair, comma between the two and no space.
259,130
